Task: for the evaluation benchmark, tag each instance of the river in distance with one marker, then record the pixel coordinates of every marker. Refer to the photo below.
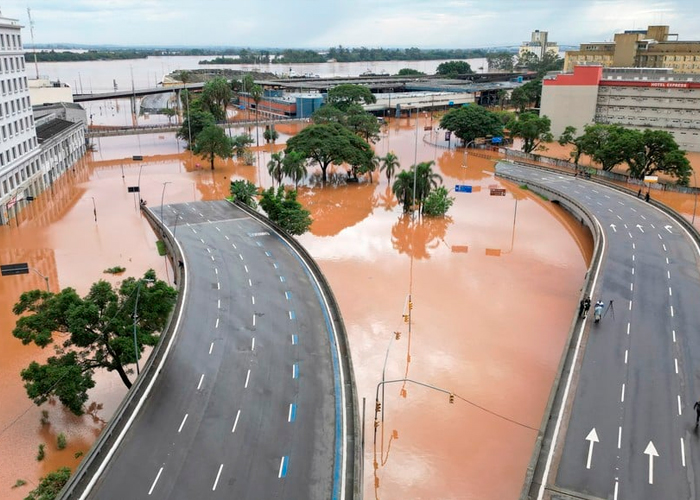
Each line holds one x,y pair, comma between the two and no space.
479,280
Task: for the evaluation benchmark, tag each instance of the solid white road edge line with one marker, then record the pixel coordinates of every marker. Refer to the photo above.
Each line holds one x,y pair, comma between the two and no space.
567,388
147,392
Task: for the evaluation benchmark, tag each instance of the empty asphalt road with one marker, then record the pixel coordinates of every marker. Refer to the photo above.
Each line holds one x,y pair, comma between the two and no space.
248,403
630,432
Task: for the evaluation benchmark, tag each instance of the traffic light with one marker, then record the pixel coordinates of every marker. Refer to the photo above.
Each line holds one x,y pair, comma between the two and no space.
397,335
410,305
452,398
377,407
405,318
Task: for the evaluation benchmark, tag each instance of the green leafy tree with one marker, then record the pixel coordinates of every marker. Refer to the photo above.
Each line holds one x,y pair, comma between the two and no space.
438,202
608,145
527,95
454,68
240,145
97,333
247,83
50,485
471,122
343,95
212,142
270,134
410,72
362,123
532,129
569,137
194,124
275,167
328,114
330,143
244,192
502,61
284,209
216,95
294,167
403,189
390,163
657,151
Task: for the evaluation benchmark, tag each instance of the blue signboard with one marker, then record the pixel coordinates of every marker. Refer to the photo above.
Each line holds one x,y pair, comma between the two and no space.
496,140
461,188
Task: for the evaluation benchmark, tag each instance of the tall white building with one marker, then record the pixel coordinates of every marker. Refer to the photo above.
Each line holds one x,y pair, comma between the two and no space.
20,167
539,45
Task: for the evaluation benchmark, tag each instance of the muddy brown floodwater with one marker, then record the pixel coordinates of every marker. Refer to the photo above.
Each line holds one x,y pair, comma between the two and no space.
494,287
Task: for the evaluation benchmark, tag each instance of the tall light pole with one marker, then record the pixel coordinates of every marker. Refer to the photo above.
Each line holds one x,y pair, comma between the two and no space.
465,153
162,197
136,304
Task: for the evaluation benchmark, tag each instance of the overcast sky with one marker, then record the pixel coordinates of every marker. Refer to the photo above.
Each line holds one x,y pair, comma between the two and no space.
352,23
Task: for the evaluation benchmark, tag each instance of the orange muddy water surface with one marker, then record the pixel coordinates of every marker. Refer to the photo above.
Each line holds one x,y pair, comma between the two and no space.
493,287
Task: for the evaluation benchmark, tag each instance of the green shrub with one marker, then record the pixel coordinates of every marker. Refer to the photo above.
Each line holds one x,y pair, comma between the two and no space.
19,483
41,454
61,441
44,417
115,270
160,245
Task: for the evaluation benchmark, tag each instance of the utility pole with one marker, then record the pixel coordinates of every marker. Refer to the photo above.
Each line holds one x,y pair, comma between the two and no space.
31,31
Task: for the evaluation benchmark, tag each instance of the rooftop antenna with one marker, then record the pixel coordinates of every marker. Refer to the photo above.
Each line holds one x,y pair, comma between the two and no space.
31,31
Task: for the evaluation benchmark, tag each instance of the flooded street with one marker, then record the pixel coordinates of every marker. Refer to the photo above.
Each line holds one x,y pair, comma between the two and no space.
493,292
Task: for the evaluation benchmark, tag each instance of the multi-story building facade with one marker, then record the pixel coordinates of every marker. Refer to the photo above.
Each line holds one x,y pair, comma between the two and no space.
654,47
638,98
29,162
539,45
20,167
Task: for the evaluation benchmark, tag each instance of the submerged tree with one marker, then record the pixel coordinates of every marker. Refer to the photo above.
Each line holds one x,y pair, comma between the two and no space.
97,331
212,142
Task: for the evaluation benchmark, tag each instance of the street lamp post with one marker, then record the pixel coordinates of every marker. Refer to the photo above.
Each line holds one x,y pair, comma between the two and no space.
139,184
466,147
136,304
162,197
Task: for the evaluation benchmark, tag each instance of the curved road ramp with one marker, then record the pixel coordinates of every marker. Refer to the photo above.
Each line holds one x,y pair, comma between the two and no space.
621,422
254,396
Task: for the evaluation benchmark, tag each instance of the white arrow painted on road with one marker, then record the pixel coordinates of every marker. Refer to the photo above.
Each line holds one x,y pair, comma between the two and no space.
651,451
591,438
613,227
640,227
668,228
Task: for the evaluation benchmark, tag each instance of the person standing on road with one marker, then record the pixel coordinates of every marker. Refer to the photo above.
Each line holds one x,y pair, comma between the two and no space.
586,306
696,406
646,197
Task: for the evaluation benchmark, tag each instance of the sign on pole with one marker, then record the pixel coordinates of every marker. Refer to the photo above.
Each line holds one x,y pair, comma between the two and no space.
133,189
461,188
498,192
651,178
12,269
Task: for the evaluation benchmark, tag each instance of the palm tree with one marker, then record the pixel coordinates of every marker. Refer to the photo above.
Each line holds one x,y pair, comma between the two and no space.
294,166
426,180
389,165
275,167
372,166
403,189
256,93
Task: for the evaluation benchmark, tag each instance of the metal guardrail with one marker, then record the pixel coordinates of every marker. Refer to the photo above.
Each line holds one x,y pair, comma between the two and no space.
355,451
93,460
